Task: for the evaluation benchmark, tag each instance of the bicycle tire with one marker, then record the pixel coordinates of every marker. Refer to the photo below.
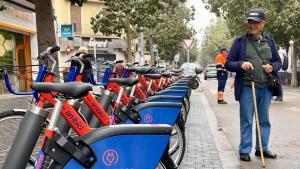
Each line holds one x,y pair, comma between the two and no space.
195,84
9,125
161,165
177,150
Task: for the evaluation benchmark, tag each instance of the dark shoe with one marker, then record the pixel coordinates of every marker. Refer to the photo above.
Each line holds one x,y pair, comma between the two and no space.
267,154
278,99
221,102
245,157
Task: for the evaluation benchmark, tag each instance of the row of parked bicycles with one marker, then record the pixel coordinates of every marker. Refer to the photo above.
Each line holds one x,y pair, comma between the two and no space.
136,121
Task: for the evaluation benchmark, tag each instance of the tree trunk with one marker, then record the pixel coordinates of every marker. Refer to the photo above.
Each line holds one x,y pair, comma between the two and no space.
151,51
129,37
294,81
45,25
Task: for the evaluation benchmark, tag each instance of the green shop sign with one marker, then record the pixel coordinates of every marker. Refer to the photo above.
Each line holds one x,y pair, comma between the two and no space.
66,31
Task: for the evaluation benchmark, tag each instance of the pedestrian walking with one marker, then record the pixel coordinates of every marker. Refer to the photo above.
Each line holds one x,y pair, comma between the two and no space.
281,72
255,51
222,74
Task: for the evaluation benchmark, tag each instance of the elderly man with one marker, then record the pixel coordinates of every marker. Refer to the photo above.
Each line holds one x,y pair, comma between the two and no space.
253,54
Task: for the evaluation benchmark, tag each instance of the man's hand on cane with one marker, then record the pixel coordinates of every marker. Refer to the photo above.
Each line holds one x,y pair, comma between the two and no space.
247,66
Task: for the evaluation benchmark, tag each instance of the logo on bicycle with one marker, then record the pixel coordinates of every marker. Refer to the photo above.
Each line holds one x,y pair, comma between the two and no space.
148,118
110,157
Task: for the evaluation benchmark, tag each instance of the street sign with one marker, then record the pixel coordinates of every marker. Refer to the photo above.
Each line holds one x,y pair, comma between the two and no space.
188,43
68,50
66,31
176,57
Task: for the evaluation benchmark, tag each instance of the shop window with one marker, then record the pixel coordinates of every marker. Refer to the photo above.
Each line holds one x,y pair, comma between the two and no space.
15,52
6,55
76,18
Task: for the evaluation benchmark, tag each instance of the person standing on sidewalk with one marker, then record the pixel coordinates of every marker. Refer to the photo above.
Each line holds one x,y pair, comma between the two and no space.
254,52
221,74
86,59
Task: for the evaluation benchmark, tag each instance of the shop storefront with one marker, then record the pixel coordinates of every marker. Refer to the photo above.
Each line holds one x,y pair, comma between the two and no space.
18,43
105,48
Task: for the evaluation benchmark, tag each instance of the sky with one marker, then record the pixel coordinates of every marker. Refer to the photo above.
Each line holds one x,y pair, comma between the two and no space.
202,18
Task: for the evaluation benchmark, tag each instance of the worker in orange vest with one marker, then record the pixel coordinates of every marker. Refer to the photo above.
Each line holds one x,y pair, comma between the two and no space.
221,74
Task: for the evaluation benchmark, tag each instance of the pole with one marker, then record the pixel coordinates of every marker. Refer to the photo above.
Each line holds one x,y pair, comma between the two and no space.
188,58
142,59
95,57
294,82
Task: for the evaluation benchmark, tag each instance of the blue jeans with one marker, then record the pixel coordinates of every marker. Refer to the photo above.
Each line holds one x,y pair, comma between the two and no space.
263,98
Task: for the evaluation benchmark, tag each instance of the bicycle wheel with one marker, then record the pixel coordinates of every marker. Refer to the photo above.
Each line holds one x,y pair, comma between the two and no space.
161,166
9,125
177,143
195,84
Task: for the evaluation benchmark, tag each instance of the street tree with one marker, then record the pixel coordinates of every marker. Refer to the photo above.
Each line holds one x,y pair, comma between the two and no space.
171,29
282,16
126,17
45,23
131,17
2,6
216,36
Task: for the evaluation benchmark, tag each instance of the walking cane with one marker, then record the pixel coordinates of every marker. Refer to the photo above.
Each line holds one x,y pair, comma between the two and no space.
257,121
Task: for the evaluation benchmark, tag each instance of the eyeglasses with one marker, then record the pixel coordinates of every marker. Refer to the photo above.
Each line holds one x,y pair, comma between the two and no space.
252,22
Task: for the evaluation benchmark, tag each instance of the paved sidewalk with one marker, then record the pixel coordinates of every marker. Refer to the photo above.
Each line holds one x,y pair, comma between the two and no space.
284,117
201,151
9,101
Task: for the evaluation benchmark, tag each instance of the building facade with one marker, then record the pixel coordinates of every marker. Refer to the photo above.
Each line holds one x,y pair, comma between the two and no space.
18,43
74,30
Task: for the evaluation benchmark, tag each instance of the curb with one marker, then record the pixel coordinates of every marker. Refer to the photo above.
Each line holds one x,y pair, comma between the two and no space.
227,155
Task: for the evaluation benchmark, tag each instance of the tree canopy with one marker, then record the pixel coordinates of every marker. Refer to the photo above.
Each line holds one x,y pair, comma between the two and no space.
163,20
171,30
126,16
282,16
215,37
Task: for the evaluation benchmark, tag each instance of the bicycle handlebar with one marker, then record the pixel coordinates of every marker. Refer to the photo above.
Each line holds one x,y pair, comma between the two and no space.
47,54
54,49
77,59
48,51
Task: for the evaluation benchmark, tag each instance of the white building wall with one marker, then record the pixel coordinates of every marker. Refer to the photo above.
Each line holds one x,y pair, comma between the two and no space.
119,55
34,54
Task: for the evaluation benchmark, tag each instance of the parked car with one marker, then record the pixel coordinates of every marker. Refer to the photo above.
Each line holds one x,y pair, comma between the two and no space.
161,65
210,71
191,68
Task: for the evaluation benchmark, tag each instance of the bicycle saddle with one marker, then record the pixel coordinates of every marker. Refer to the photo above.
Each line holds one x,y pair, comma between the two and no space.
177,71
174,74
141,70
187,76
124,81
71,89
167,74
153,76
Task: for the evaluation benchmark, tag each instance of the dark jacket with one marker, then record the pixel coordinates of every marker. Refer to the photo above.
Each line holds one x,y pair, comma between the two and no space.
86,60
236,57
